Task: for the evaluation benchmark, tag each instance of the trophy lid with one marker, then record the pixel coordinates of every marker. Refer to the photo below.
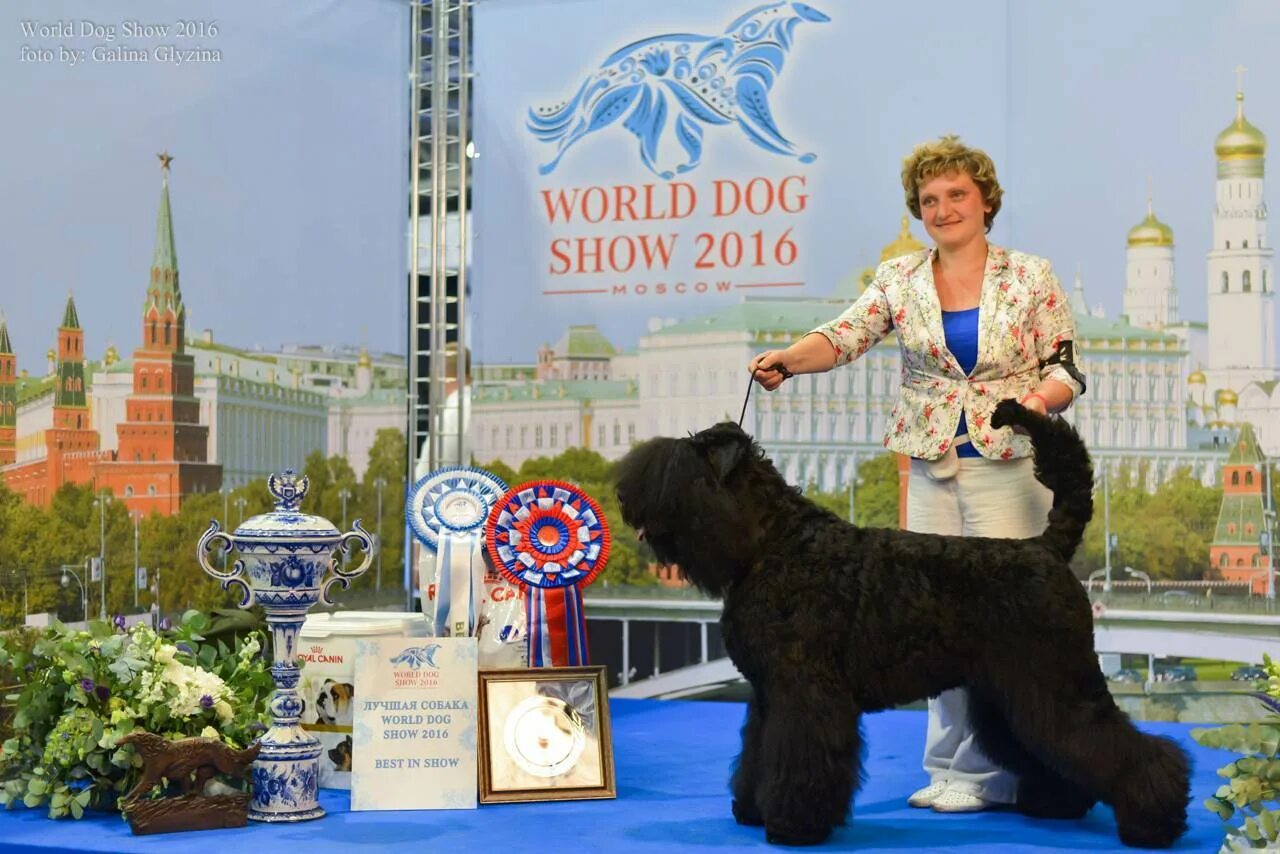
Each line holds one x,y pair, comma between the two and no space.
286,521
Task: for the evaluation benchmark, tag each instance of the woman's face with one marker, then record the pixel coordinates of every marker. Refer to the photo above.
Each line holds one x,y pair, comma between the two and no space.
952,209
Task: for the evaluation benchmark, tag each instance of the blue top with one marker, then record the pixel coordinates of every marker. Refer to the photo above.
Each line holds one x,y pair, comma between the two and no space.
961,330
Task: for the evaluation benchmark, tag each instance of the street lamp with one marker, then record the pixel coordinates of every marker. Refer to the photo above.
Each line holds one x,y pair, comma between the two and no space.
1108,541
84,598
226,493
1264,546
1142,576
380,483
101,503
136,514
241,501
155,599
1267,538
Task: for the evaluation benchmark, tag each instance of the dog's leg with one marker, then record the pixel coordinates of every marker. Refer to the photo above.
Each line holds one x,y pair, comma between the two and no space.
809,761
1042,793
1144,778
755,118
746,772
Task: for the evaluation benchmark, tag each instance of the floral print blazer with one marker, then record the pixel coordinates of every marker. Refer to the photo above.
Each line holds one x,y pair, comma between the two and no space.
1022,315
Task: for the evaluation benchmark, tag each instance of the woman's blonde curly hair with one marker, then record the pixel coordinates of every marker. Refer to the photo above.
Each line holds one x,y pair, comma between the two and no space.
944,156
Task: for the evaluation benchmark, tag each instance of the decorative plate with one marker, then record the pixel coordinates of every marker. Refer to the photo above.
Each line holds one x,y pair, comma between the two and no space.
548,534
544,736
455,498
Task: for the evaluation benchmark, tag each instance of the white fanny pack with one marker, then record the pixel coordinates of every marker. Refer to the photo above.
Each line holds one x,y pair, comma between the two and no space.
946,466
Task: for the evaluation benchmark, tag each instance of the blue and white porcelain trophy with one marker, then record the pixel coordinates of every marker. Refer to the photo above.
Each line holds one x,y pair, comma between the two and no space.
283,559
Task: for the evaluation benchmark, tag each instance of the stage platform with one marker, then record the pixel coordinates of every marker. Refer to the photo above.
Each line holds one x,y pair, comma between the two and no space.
673,760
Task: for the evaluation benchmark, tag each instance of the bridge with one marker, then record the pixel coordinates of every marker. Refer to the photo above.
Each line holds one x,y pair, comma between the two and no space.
1228,628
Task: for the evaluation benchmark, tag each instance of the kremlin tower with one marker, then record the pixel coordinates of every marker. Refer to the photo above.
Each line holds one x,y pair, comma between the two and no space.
163,447
8,398
1242,311
1150,298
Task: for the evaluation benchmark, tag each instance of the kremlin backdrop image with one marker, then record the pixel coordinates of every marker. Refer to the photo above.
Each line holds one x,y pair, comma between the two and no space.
621,279
216,289
187,307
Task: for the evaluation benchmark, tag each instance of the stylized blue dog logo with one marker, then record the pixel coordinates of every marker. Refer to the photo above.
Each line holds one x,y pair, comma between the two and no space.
671,85
418,656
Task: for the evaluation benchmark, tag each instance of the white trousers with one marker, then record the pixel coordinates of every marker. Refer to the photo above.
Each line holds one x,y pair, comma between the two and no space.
985,498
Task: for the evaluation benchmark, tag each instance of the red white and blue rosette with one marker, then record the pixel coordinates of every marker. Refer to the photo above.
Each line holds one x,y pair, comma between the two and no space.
548,534
454,499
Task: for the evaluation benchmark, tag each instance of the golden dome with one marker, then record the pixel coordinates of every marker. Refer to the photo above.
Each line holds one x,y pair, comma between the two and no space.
1240,140
1151,231
112,355
1227,397
364,360
51,354
904,244
1196,378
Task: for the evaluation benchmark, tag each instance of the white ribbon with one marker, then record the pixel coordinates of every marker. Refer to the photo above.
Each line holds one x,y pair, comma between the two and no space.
456,568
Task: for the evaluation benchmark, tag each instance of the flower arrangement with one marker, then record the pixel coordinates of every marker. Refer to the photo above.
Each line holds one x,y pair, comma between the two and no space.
82,691
1253,781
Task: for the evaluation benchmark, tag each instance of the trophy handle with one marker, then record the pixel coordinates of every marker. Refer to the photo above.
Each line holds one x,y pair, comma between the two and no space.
208,540
358,536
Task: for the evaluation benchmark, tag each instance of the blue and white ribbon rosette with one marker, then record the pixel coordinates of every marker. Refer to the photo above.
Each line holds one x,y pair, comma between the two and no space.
552,538
447,511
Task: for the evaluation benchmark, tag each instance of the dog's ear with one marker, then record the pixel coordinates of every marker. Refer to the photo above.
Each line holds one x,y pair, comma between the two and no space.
724,446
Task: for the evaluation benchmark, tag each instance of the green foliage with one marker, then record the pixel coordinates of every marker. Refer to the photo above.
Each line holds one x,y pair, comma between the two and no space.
1254,780
875,497
37,541
1165,534
80,692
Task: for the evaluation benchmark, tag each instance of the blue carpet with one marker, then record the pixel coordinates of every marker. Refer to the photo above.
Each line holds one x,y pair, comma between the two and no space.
672,763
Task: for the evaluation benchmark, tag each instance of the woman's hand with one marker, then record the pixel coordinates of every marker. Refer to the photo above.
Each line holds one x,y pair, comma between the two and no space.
769,369
1033,402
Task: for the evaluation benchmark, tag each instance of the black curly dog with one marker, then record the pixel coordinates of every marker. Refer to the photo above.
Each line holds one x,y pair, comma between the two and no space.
827,621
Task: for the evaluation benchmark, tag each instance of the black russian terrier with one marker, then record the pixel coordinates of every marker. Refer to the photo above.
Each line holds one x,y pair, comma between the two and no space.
827,621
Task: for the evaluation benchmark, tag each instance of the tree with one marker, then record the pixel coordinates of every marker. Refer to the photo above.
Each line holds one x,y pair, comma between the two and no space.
1166,534
875,497
386,463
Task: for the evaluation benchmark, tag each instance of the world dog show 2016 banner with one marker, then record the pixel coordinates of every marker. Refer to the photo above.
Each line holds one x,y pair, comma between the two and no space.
658,161
649,158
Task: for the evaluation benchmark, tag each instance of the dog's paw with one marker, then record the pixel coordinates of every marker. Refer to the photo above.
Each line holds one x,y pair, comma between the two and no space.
778,835
747,814
1057,804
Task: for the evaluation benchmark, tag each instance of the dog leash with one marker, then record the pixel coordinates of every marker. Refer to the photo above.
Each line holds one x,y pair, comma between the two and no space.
786,375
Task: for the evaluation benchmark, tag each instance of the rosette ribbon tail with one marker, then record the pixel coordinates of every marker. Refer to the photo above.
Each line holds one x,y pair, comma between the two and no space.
210,540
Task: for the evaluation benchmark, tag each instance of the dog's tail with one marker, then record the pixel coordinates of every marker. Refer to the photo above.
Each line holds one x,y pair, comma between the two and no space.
1062,464
555,123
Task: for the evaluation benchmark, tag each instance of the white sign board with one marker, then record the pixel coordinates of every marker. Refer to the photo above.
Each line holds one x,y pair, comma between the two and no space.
414,734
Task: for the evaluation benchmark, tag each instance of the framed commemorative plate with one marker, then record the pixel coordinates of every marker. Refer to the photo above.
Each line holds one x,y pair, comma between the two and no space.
548,534
544,735
455,498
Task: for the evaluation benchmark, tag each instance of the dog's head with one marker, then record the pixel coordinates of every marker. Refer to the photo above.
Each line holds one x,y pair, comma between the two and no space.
699,501
340,755
783,15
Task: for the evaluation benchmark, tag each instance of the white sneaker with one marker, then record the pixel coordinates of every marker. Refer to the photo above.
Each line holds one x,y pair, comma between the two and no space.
953,801
924,798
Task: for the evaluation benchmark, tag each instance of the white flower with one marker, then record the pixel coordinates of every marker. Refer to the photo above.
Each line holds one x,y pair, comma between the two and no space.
250,648
223,708
208,732
165,652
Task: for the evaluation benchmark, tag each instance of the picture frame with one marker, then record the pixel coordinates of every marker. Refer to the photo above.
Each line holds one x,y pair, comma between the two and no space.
544,735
